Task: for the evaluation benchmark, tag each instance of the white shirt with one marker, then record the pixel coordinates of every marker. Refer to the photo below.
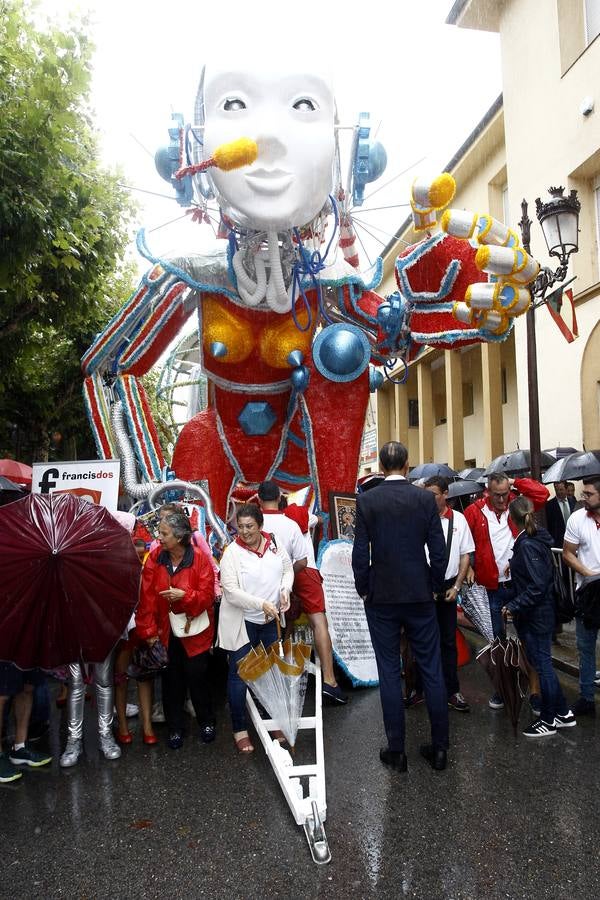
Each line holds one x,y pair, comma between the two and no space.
582,531
261,576
462,542
502,540
287,534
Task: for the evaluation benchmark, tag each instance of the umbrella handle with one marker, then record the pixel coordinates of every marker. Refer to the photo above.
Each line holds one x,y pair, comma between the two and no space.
278,623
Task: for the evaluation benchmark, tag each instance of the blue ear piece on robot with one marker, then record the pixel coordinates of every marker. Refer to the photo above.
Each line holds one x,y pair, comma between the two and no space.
166,160
369,160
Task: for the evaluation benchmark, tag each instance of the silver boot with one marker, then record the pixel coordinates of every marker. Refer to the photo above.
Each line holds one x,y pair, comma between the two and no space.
109,747
72,752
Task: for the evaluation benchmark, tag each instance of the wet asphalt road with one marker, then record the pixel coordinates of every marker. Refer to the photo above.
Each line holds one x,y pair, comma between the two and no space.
510,818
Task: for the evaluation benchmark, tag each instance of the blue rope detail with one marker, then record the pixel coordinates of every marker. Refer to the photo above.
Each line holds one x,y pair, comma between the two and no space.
179,273
294,439
293,479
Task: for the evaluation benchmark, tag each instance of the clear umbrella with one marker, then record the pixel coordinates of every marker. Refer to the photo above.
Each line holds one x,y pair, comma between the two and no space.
279,680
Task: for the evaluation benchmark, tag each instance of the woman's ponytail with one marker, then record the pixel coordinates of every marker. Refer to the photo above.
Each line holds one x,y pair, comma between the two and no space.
522,514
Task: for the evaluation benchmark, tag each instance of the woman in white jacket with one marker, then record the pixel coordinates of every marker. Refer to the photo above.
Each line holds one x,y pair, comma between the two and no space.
256,580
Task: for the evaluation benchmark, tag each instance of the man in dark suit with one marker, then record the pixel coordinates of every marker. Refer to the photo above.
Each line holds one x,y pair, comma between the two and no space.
394,522
558,511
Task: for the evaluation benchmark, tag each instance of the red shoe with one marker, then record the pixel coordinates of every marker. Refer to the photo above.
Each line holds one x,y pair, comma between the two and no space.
150,739
123,738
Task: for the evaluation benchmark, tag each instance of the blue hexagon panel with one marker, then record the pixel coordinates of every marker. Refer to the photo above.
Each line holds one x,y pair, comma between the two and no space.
257,418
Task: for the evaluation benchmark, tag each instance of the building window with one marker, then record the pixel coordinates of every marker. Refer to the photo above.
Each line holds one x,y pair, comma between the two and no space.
467,397
592,20
413,413
503,386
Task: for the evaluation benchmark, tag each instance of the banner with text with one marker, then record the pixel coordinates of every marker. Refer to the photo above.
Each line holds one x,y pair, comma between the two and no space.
96,480
348,627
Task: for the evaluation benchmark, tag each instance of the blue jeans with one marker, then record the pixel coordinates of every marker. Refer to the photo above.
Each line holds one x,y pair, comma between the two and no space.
385,623
497,600
586,647
539,652
236,688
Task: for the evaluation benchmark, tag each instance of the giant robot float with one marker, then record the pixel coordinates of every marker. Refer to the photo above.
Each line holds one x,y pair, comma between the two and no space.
292,335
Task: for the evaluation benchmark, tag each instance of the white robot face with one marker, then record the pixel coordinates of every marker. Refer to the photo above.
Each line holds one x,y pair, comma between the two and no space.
290,115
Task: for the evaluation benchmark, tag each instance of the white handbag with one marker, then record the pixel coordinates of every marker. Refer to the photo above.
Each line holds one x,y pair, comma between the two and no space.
188,626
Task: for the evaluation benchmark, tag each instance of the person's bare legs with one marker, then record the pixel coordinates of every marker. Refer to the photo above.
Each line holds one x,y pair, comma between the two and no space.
323,646
145,698
23,703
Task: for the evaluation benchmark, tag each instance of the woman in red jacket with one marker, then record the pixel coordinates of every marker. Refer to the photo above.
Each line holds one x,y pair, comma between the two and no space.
180,580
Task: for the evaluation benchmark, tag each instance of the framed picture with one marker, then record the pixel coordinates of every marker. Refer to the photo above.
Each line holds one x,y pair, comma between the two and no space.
342,510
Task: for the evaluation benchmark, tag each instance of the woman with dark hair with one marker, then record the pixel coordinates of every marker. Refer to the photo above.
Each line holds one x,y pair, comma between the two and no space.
256,578
177,606
533,610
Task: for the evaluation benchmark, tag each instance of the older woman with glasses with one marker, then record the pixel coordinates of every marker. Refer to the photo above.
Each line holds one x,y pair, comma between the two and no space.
256,579
180,581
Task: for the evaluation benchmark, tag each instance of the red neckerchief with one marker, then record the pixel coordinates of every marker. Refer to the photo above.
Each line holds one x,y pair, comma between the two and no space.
592,516
260,555
447,513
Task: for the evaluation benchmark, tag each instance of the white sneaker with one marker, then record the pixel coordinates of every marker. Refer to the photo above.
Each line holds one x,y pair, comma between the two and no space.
158,714
131,710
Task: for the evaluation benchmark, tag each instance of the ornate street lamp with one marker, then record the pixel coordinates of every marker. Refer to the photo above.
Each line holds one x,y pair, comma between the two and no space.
559,219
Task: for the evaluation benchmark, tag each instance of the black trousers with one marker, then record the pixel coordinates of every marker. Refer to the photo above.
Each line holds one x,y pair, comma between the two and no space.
419,621
185,672
446,617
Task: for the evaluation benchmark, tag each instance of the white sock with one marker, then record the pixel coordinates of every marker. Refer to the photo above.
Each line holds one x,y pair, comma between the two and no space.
18,746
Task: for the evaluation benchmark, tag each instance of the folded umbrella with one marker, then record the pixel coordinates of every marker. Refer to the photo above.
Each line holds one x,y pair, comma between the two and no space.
516,463
506,664
70,580
475,604
573,467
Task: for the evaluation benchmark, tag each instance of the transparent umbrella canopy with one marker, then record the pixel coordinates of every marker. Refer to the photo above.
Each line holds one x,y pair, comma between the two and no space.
279,681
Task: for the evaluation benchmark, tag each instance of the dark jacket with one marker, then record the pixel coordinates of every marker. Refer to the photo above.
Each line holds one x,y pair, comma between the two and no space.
532,577
556,520
486,570
394,521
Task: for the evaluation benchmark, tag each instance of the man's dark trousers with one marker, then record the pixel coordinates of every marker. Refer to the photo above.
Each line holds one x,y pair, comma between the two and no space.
420,623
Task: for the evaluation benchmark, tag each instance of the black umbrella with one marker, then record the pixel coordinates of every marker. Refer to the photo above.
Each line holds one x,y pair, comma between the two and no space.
574,467
473,474
464,487
559,452
516,463
428,470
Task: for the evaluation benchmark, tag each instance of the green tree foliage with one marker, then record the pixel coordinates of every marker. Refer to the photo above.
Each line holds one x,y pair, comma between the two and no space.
64,228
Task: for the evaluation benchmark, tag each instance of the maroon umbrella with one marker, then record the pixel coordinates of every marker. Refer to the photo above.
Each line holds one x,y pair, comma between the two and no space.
69,583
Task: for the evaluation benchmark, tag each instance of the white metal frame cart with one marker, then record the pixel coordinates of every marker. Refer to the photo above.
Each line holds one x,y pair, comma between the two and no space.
308,810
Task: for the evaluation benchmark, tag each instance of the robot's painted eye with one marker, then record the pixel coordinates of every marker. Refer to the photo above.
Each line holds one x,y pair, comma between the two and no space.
233,104
304,104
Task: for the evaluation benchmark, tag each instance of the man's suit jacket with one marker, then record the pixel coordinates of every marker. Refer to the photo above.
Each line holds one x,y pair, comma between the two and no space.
556,521
394,521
